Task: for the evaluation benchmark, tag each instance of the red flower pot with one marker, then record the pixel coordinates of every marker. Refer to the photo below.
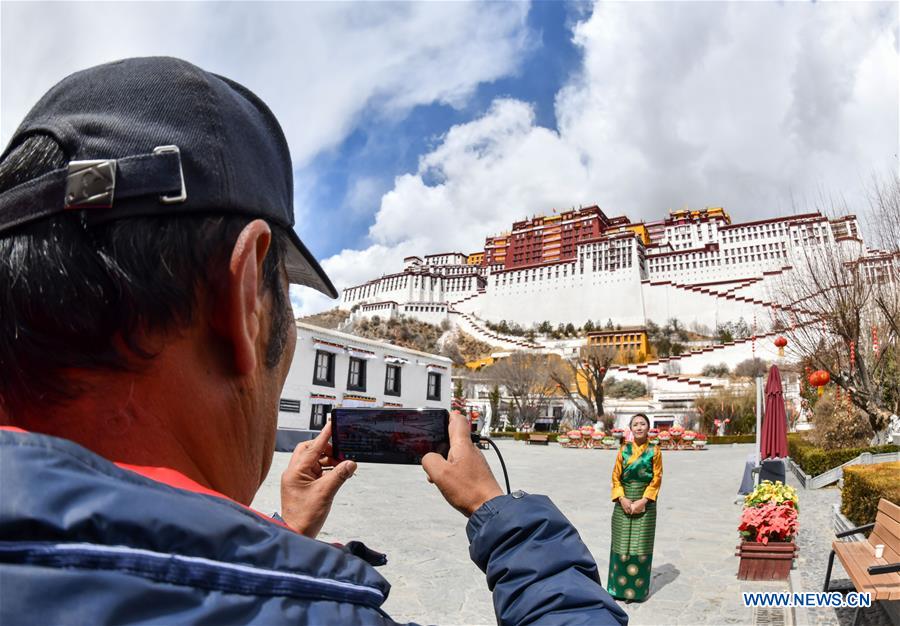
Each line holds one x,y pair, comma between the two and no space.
765,561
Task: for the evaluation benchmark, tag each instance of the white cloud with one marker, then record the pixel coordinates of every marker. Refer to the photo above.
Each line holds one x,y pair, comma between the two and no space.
353,267
751,106
362,194
318,65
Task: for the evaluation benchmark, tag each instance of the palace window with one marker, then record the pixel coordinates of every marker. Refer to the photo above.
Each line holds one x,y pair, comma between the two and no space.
392,380
319,416
434,386
356,375
323,373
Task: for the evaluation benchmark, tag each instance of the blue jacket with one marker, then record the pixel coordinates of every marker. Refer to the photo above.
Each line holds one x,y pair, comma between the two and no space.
83,541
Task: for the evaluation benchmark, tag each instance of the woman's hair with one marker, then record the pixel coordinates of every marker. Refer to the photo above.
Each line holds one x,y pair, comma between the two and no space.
637,415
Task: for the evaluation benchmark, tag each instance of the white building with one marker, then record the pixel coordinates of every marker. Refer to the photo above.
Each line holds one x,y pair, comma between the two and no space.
694,266
333,369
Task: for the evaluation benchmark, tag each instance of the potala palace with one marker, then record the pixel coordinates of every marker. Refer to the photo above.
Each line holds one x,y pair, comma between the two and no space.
694,265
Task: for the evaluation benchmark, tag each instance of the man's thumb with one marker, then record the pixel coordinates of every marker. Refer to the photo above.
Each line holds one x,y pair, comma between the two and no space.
339,475
433,464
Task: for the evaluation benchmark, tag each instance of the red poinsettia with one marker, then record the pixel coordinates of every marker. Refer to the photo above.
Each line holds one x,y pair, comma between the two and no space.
769,522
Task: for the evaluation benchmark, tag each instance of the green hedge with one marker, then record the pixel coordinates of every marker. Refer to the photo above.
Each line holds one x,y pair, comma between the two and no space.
552,437
521,436
731,439
864,486
814,460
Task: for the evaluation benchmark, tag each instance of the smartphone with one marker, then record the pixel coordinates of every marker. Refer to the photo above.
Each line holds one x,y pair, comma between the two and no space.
382,435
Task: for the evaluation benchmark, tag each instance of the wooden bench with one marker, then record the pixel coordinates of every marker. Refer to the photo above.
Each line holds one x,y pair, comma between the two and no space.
878,577
541,440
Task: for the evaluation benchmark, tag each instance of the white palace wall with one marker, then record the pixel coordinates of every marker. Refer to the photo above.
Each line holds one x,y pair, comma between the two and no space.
664,302
571,297
699,273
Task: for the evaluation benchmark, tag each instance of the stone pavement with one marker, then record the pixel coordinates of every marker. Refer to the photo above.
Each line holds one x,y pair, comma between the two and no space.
395,510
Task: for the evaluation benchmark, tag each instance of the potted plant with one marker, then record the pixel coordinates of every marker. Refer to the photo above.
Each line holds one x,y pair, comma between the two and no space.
768,527
688,437
664,438
677,432
700,441
618,433
653,436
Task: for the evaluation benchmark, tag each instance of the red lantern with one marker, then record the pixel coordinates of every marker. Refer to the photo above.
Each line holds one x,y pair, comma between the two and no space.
819,379
780,343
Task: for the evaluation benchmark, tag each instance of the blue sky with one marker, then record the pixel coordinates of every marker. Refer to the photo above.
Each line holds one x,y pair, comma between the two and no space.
418,128
378,148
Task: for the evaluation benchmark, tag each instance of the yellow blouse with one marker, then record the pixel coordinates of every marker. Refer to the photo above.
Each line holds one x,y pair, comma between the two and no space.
652,490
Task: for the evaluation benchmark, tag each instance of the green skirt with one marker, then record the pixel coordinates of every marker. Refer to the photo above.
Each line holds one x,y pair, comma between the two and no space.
631,553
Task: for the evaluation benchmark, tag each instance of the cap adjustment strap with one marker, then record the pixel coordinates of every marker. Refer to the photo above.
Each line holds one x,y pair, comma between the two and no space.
97,183
90,184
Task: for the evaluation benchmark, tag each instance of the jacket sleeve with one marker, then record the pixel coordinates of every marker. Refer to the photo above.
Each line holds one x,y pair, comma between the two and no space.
617,490
537,567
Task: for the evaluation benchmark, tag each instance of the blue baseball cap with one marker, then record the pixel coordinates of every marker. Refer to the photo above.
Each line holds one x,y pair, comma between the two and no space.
160,136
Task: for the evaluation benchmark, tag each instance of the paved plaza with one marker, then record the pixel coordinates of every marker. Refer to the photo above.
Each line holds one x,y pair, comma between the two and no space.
394,509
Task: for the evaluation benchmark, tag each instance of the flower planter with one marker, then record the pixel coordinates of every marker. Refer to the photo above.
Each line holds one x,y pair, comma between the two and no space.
761,561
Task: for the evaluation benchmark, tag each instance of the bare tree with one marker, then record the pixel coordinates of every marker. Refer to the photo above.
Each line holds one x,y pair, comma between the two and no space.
846,303
580,378
526,378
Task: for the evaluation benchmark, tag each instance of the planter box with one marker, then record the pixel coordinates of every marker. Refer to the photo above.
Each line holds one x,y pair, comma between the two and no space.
760,561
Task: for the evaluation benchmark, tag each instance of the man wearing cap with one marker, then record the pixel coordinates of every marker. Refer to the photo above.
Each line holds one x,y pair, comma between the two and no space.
146,246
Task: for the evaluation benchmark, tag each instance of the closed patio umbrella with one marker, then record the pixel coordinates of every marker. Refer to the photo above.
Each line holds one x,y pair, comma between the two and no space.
774,430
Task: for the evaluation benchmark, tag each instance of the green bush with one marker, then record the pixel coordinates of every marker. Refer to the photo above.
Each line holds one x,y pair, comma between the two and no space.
731,439
815,460
716,370
524,436
838,427
625,389
864,486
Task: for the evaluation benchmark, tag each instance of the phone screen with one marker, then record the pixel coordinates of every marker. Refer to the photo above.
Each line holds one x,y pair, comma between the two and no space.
389,435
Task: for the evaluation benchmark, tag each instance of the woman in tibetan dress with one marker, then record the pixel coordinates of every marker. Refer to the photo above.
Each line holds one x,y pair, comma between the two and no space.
636,479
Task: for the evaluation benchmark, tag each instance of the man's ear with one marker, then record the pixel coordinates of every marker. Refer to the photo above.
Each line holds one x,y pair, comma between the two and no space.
242,298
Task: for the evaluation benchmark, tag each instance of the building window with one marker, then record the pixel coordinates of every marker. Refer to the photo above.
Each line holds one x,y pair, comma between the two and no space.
319,416
356,376
323,374
434,386
288,406
392,380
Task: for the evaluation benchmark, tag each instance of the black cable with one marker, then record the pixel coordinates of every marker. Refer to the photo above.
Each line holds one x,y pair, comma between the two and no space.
476,438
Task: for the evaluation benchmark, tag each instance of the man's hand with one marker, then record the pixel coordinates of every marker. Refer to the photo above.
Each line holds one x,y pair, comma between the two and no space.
464,477
306,490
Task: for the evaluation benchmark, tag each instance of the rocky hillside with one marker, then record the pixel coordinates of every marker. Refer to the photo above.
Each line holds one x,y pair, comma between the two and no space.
408,333
333,319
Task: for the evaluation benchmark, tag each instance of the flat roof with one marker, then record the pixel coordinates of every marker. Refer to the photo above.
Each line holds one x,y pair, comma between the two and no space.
355,339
